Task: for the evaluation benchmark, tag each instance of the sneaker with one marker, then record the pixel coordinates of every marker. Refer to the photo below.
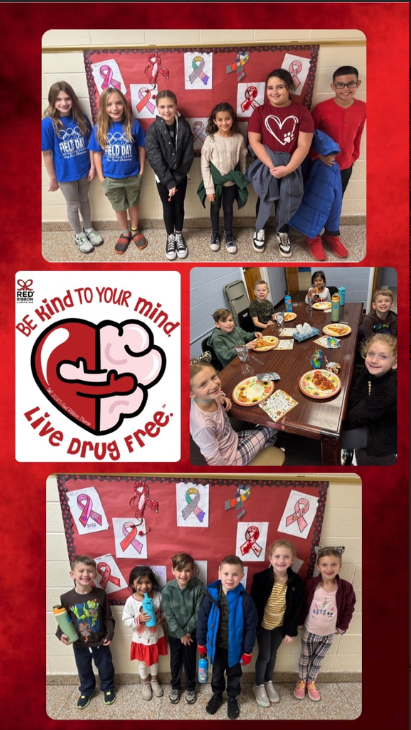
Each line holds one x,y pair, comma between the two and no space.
171,252
313,692
190,697
233,709
83,701
182,250
94,237
174,696
122,242
261,695
259,241
299,690
109,697
272,694
316,248
146,691
336,245
213,705
156,688
83,243
284,244
215,241
230,243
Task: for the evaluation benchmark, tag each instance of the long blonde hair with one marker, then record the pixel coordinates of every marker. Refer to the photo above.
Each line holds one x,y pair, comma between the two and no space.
76,111
104,122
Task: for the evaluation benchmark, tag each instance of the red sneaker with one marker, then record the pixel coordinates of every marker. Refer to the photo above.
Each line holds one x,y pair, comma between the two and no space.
316,248
336,245
313,692
299,690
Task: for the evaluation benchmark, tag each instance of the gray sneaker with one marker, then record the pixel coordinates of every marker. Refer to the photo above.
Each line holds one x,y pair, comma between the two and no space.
190,697
174,696
272,694
84,245
261,695
94,237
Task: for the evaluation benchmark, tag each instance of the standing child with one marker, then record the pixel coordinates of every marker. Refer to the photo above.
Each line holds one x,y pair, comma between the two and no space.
182,598
318,291
223,164
277,592
148,643
328,606
382,319
226,336
170,152
65,132
226,629
342,118
280,134
90,612
261,309
117,141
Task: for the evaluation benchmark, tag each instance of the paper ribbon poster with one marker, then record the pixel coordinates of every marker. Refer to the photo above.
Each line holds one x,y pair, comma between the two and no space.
161,571
155,68
192,504
198,70
297,565
249,97
241,59
200,571
251,541
198,127
107,73
241,494
87,511
109,575
143,100
298,515
298,68
130,538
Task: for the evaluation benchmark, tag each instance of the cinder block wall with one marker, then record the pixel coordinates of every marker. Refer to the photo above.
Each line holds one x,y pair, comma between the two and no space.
340,47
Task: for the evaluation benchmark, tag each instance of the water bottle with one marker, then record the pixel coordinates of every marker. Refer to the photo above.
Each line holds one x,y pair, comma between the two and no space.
203,669
341,291
335,308
148,607
65,623
288,302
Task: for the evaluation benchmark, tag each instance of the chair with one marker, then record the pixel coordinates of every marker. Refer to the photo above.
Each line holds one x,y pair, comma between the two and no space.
215,362
246,321
270,456
333,290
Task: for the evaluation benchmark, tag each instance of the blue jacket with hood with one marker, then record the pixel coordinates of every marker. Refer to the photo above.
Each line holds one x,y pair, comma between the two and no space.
242,622
322,199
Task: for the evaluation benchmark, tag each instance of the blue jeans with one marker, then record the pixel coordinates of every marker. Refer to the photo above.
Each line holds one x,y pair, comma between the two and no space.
102,659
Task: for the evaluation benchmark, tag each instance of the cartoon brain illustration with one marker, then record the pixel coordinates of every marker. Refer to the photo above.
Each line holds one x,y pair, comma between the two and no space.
97,375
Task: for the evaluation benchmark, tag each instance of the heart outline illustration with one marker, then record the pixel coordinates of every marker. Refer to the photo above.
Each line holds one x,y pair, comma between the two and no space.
93,369
280,124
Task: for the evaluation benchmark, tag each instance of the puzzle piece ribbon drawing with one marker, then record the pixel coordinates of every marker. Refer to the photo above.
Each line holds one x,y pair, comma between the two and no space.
241,494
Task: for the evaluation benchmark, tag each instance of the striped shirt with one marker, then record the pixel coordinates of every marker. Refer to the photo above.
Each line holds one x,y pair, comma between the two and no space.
275,607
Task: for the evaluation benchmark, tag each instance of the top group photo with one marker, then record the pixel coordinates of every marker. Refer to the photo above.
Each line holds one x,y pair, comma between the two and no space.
252,150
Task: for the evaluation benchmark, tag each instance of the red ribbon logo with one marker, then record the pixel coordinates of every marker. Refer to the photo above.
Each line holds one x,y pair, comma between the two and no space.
24,285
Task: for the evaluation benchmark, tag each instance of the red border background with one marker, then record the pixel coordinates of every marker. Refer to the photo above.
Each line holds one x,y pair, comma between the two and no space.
385,493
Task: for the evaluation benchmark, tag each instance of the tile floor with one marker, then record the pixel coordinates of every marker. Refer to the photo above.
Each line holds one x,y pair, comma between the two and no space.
340,701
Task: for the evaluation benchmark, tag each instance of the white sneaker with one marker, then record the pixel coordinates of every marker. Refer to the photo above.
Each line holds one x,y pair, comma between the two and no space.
272,694
94,237
259,241
83,243
230,243
261,695
284,244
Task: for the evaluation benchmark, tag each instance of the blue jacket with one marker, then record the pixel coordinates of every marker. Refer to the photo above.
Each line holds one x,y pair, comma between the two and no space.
322,199
242,622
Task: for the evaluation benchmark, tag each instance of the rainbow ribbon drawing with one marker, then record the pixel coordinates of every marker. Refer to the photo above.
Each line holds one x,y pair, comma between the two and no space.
129,529
104,570
250,95
106,72
241,494
241,59
198,64
301,507
251,535
144,95
198,131
295,68
155,68
192,499
86,505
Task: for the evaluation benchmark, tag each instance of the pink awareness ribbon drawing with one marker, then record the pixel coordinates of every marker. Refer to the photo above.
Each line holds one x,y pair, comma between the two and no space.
155,68
250,95
86,505
301,507
198,131
241,58
295,68
198,64
143,500
129,529
144,95
252,534
192,499
241,494
104,570
107,74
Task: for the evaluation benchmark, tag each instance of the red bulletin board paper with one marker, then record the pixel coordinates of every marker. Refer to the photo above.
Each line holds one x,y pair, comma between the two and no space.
266,504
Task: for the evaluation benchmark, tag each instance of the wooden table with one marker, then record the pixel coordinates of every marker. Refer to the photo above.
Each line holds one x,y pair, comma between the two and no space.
321,420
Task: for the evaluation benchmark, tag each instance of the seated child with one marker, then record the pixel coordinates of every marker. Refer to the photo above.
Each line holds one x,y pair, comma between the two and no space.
261,309
226,630
318,292
382,319
327,609
90,613
226,336
182,598
210,425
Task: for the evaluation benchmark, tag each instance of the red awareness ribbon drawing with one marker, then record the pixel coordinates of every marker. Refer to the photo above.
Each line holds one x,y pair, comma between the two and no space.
107,74
198,131
252,534
104,570
301,507
155,68
144,95
198,64
129,529
24,285
143,500
192,504
86,505
241,494
241,58
250,95
295,68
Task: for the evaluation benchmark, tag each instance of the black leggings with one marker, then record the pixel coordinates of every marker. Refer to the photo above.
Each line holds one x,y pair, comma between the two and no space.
173,211
227,199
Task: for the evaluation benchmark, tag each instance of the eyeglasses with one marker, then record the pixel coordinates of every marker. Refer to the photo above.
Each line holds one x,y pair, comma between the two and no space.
350,85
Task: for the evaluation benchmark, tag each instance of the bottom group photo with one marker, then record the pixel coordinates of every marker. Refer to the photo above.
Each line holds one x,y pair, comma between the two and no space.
197,596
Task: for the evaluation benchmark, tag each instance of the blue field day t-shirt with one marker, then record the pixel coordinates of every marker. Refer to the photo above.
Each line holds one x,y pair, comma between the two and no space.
120,157
68,146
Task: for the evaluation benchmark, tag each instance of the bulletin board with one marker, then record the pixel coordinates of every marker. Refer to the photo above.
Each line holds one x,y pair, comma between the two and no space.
200,78
122,522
